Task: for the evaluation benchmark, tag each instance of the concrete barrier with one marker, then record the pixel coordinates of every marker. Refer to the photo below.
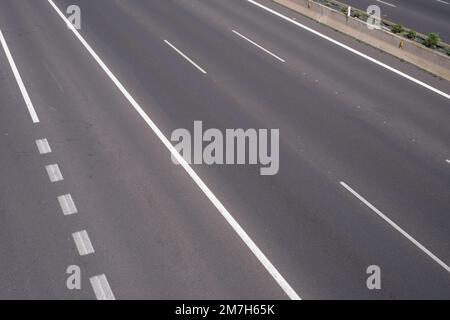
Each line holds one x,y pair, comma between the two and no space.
407,50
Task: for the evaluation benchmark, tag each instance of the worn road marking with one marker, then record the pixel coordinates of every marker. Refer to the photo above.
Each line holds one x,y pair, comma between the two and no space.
396,227
83,243
43,146
271,269
54,173
19,81
101,288
67,205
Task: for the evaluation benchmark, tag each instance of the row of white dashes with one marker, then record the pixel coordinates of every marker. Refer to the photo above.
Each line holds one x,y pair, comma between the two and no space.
82,241
99,283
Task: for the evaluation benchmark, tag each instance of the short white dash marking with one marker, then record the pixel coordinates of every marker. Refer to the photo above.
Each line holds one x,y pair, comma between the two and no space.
258,46
54,173
396,227
101,288
444,2
83,243
19,81
43,146
448,161
67,205
185,57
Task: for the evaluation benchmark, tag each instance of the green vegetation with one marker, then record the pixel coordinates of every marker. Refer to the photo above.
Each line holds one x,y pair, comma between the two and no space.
411,35
397,28
432,41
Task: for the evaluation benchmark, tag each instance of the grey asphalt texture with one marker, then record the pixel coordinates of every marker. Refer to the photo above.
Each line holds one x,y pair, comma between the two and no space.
155,234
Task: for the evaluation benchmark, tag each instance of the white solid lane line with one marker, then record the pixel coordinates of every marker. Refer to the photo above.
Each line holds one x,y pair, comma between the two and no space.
43,146
83,243
67,205
387,3
19,81
185,57
260,47
344,46
396,227
54,173
216,202
101,288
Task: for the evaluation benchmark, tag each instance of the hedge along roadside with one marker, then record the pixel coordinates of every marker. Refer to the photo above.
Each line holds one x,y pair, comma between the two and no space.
333,14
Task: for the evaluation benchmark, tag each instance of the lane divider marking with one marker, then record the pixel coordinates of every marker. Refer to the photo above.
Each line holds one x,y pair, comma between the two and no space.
346,47
209,194
258,46
387,3
54,173
43,146
101,288
19,81
83,243
185,57
396,227
67,205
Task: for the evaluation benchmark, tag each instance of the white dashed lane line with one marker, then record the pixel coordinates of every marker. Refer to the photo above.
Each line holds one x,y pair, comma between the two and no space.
43,146
197,180
186,57
448,161
83,243
101,288
67,205
396,227
258,46
54,173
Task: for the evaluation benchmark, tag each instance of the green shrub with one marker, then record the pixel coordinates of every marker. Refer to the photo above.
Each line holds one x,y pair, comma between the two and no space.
397,28
432,40
411,34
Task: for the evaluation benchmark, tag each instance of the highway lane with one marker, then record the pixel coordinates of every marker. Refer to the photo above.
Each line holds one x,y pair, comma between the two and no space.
424,16
155,236
339,118
35,253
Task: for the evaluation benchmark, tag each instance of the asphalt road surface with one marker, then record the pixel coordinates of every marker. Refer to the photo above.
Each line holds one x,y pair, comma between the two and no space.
364,175
424,16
